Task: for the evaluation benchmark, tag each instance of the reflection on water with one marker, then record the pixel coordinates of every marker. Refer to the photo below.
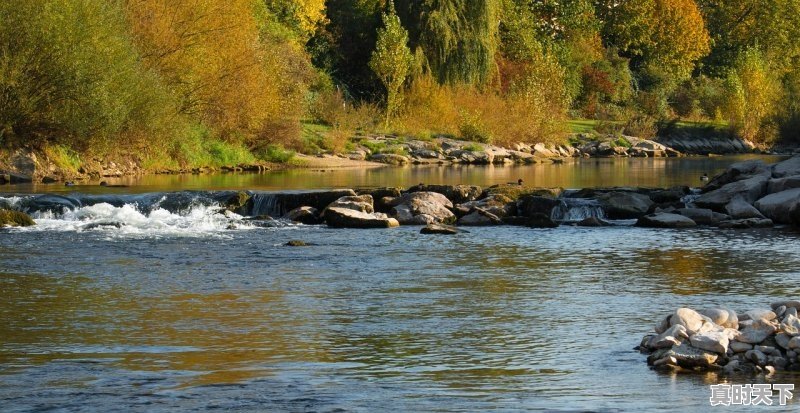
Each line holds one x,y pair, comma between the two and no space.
577,173
502,318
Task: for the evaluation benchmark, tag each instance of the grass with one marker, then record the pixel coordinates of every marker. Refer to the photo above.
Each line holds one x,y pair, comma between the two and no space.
64,157
277,154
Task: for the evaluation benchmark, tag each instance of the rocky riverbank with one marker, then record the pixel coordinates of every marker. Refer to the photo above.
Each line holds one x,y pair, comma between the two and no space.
24,166
755,341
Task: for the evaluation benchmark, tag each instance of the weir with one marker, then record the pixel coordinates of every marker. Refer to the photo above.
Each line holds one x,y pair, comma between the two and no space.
576,210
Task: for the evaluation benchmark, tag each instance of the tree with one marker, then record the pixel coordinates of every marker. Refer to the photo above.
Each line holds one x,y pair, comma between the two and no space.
753,92
668,34
392,60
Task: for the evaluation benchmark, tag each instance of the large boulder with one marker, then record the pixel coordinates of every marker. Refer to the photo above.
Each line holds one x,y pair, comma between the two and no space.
782,184
422,208
534,204
737,172
362,203
738,208
780,206
789,167
304,215
625,205
479,217
749,190
378,196
348,218
665,220
10,218
702,216
457,194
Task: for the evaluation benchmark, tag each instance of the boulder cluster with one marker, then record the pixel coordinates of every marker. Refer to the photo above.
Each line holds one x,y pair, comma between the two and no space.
755,341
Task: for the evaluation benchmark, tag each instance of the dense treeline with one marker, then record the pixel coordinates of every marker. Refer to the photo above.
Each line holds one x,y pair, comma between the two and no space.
189,82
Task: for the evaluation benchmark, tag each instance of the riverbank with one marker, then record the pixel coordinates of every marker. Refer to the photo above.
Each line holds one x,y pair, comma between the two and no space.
51,166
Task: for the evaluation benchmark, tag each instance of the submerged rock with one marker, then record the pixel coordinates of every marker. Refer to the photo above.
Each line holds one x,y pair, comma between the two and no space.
297,243
593,222
541,221
746,223
10,218
440,229
665,220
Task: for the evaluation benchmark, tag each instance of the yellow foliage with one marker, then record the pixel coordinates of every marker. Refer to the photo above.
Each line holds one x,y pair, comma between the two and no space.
211,54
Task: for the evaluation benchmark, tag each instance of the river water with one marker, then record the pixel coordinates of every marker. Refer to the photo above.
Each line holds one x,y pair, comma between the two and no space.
175,311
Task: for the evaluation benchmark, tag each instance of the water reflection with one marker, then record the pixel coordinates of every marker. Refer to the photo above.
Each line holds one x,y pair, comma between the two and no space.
578,173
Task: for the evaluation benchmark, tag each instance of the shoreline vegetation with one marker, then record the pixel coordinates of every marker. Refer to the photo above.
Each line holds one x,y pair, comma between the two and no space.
121,87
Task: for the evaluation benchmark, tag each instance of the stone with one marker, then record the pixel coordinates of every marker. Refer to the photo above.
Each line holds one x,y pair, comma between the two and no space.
348,218
739,347
541,221
782,184
390,159
761,314
665,220
457,194
305,215
362,203
779,206
593,222
297,243
688,356
625,205
737,172
789,167
713,341
721,316
738,208
663,325
791,326
794,343
688,318
11,218
746,223
422,208
672,336
701,216
529,205
788,304
749,190
758,358
440,229
756,332
479,217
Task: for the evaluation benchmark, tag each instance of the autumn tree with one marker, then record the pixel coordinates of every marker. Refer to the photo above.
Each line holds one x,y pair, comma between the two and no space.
753,93
668,34
392,60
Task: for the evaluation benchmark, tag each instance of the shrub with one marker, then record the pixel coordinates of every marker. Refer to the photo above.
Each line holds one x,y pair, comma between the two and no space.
641,127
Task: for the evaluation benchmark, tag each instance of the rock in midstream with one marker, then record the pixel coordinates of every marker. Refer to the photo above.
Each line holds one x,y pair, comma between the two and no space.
758,341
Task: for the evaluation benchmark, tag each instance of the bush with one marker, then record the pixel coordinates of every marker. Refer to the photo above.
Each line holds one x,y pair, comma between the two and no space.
276,153
643,127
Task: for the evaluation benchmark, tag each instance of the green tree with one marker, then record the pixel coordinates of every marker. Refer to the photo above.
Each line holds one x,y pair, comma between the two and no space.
392,60
754,92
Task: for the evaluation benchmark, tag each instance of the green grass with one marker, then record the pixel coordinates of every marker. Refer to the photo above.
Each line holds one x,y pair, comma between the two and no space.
276,153
582,125
473,147
64,157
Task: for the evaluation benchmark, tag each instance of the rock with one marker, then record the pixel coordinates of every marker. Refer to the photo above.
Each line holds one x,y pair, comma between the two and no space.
534,204
440,229
756,332
688,356
593,222
457,194
737,172
722,317
671,337
379,196
421,208
665,220
304,215
789,167
713,341
749,190
541,221
688,318
738,208
758,358
278,204
794,343
788,304
671,195
702,216
663,325
297,243
760,314
10,218
782,184
625,205
390,159
479,217
791,326
780,206
238,202
14,178
361,203
746,223
348,218
739,347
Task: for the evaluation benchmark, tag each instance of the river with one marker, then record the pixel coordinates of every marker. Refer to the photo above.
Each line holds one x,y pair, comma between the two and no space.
175,311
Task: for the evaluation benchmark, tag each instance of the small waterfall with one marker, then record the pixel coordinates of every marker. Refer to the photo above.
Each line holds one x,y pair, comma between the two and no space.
265,203
576,210
689,199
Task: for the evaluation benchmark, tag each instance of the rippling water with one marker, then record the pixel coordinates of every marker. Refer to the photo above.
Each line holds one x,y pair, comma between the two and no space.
502,318
177,309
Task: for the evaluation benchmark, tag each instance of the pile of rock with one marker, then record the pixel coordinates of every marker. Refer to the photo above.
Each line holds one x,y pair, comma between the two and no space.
757,341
